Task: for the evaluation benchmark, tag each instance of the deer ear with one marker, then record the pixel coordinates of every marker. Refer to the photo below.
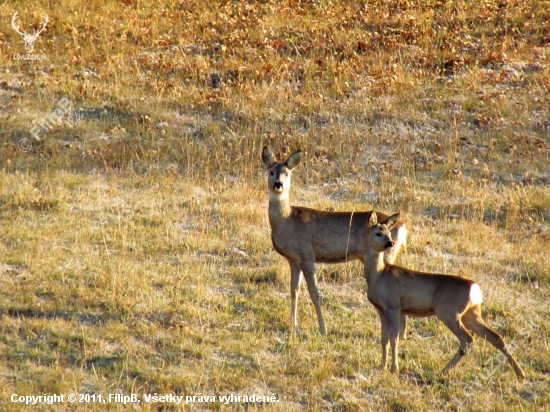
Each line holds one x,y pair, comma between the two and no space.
391,221
294,159
373,219
268,157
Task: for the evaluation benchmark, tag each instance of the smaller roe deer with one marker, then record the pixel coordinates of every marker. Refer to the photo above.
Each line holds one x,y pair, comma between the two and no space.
305,236
395,291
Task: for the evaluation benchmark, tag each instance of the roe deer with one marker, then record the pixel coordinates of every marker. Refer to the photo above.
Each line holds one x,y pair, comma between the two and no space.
396,291
305,236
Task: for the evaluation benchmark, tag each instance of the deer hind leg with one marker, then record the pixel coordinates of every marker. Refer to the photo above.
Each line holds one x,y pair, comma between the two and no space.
311,280
473,321
295,280
455,325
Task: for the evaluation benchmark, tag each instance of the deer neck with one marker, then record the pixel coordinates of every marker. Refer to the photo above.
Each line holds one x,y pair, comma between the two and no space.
279,206
374,265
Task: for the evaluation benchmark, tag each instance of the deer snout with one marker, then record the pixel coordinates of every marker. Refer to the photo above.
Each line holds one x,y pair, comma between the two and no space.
278,186
389,245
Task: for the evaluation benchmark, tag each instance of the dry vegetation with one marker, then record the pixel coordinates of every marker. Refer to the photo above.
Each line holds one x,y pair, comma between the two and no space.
135,254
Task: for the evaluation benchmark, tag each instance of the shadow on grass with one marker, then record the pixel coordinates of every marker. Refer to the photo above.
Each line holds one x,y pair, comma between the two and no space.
51,349
163,319
92,319
102,361
502,217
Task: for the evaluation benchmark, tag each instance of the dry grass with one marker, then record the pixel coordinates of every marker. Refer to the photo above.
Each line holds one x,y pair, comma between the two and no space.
135,253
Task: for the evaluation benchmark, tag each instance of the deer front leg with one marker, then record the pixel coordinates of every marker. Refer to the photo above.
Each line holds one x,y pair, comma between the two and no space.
295,280
394,316
311,280
385,337
403,327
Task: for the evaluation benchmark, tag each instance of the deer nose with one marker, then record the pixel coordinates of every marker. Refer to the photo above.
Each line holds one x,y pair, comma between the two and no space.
389,245
278,185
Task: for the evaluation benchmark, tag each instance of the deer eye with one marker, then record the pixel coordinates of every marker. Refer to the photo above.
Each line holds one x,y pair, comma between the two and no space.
272,173
379,234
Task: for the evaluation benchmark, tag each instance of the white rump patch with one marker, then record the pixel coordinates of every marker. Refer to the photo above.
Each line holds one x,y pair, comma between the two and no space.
401,236
475,294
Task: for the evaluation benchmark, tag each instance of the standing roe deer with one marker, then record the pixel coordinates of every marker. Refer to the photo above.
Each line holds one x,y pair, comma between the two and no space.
305,236
396,291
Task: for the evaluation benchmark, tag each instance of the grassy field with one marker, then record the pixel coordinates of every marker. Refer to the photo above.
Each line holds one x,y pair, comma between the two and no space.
135,251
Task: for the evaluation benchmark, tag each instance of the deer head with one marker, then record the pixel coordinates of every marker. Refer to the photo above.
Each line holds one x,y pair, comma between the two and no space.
29,39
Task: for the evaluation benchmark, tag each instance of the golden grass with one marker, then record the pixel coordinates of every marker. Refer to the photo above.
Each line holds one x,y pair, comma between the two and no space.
135,254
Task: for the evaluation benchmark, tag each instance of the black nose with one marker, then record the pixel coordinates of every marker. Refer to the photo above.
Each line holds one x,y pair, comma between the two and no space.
278,185
389,245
